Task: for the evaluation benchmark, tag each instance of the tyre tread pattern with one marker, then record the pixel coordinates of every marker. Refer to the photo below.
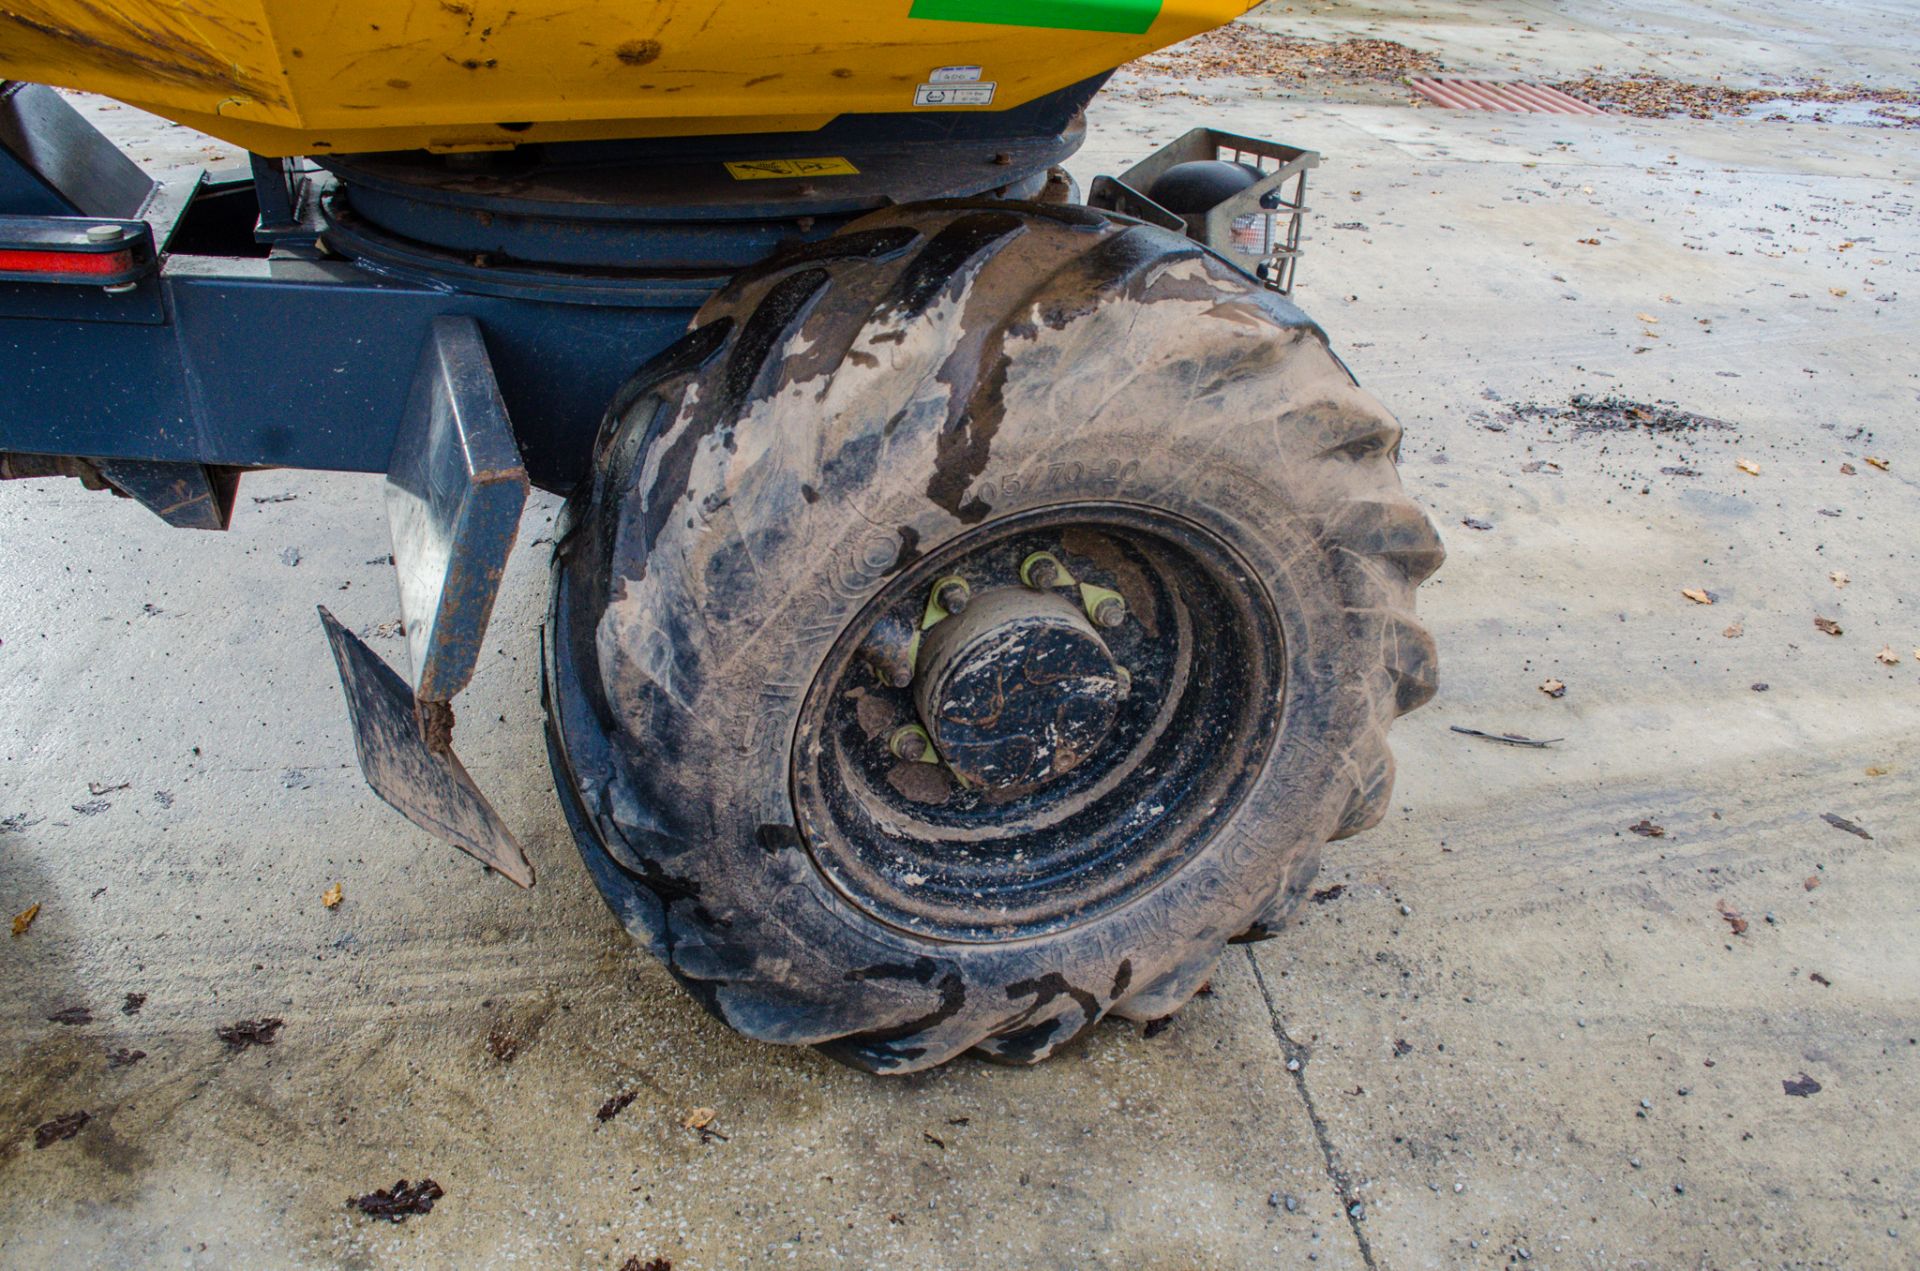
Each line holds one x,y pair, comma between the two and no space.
789,358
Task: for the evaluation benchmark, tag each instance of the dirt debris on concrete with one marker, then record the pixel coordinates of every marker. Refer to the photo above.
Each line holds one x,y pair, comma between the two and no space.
1507,739
615,1105
1591,413
1253,53
244,1033
1658,97
503,1043
400,1202
1839,822
1373,68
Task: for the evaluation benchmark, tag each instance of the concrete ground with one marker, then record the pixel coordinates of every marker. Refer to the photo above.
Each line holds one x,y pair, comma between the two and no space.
1510,1028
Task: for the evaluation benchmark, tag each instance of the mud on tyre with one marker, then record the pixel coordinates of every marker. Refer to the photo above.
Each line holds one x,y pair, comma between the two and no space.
848,815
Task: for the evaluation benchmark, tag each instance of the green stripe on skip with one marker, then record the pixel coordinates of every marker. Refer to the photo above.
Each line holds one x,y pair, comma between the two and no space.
1127,16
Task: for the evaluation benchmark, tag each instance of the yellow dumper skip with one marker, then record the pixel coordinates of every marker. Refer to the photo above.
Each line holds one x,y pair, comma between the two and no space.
284,77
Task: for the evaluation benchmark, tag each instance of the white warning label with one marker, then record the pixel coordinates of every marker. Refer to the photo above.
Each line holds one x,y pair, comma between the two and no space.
953,75
953,95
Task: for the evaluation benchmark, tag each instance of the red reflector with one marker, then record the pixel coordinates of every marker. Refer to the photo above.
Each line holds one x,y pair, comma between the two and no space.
68,264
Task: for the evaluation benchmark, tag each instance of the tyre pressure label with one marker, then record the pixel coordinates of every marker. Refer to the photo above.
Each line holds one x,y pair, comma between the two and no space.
768,169
954,95
954,75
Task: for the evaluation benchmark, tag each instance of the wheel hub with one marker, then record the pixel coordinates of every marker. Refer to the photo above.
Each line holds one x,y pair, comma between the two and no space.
1017,690
1037,722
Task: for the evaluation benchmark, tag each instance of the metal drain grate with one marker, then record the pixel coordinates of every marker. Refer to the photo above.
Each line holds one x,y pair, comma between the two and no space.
1514,96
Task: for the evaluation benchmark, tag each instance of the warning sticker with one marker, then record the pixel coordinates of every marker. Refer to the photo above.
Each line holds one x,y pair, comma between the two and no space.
767,169
953,75
954,94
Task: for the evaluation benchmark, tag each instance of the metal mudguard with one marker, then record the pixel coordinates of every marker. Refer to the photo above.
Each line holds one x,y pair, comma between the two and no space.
455,489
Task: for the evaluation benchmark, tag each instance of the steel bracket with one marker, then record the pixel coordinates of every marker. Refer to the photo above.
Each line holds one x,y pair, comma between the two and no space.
455,490
188,496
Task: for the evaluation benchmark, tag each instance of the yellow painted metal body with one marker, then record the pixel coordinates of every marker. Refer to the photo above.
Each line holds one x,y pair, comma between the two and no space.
284,77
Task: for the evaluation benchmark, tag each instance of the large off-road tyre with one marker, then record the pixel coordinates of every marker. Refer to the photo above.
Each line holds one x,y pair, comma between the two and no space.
1065,409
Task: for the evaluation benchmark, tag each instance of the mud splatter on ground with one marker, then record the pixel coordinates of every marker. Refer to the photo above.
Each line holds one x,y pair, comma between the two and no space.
1589,414
47,1133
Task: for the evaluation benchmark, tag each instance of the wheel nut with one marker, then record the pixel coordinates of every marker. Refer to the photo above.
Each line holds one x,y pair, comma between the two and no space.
1110,612
1040,571
952,595
909,742
891,672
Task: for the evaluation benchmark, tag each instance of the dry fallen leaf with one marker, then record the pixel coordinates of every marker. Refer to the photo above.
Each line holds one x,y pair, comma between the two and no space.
1878,463
1734,632
1733,917
1847,470
1827,625
1748,466
1839,578
1646,317
1838,291
331,896
1813,881
1554,688
1877,771
1591,242
1696,595
1887,657
700,1118
1646,829
24,919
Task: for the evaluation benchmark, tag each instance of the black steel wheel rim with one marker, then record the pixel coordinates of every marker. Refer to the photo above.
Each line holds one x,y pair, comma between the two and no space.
1047,786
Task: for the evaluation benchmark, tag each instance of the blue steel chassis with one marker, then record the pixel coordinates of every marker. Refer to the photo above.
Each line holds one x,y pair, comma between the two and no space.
458,327
457,323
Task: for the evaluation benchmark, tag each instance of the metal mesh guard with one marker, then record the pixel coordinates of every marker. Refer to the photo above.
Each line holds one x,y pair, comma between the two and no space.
1258,228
